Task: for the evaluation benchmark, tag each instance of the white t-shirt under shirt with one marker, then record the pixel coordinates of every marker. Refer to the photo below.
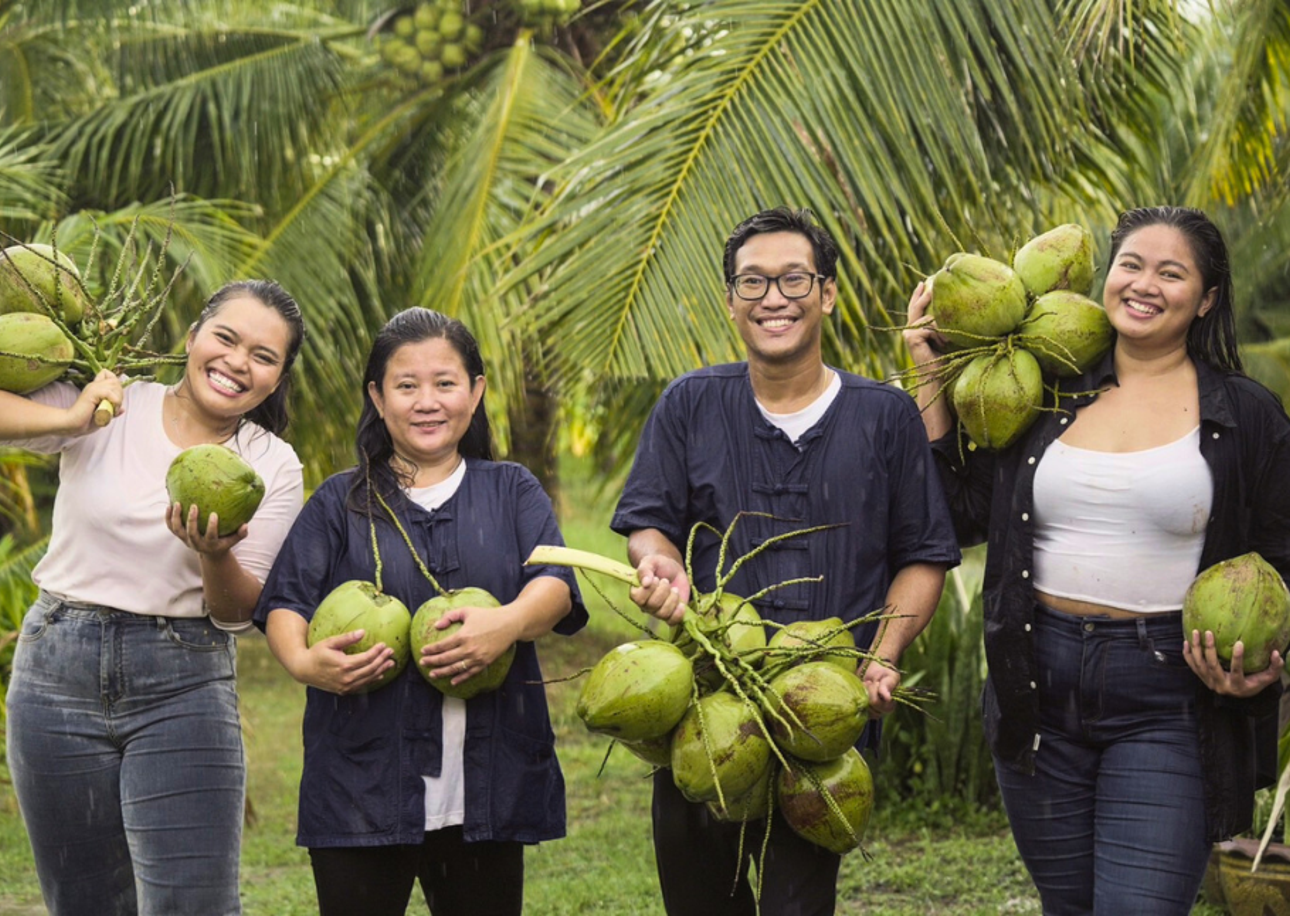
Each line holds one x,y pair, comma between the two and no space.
110,544
446,793
796,423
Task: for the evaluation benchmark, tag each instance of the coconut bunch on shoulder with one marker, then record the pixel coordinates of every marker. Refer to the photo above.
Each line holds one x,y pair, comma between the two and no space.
746,724
52,327
1011,329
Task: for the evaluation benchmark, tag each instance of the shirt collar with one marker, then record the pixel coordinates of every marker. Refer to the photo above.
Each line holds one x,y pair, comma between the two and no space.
1215,405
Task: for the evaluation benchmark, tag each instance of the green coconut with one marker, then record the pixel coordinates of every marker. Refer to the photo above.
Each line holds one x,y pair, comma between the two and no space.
43,352
812,640
36,278
1060,258
1243,599
976,299
656,752
424,633
997,396
727,726
752,805
637,691
831,707
801,795
1066,332
219,482
357,605
729,620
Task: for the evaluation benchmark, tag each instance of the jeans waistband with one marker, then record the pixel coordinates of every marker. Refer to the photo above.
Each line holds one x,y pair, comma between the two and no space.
1167,624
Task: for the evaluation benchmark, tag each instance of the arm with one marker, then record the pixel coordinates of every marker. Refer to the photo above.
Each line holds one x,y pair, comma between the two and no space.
24,418
921,340
229,592
911,602
486,633
324,665
664,589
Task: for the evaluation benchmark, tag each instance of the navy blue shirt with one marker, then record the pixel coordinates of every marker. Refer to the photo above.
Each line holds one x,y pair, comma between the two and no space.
707,454
365,755
1245,441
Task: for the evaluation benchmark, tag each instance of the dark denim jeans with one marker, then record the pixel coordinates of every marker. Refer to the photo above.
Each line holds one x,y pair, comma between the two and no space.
125,749
1113,820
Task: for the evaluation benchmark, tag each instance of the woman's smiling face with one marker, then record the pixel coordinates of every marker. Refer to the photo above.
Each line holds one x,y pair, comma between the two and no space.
236,357
427,399
1154,289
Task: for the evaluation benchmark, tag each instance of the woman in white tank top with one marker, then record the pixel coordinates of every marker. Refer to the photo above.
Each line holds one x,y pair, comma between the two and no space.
1122,751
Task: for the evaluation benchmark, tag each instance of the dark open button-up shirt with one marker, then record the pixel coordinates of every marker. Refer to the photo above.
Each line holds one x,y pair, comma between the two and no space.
365,755
707,454
1245,441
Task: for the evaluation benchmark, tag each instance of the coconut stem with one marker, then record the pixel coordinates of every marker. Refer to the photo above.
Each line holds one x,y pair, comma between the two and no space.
416,558
551,555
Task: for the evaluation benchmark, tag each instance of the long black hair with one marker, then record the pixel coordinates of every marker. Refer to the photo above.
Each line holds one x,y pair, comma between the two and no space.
1212,336
372,441
271,413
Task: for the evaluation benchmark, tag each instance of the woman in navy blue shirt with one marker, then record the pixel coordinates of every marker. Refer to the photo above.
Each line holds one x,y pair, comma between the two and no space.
402,783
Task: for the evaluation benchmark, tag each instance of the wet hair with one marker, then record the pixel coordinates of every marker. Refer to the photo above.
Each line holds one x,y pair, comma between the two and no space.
784,219
1212,336
271,413
373,444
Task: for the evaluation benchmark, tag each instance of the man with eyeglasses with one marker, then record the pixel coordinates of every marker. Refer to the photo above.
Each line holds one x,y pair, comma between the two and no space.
800,444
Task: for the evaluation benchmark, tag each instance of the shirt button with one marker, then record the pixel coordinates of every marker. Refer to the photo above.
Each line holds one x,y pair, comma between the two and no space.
1027,628
1030,460
1215,435
1025,516
1032,685
1025,574
1088,628
779,604
1065,420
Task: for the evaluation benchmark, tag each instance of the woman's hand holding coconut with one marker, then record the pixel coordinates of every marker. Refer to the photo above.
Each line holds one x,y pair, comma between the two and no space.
105,387
326,665
926,345
1202,656
485,634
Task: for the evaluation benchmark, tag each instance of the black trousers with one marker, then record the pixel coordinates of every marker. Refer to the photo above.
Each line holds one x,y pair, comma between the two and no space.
457,878
702,872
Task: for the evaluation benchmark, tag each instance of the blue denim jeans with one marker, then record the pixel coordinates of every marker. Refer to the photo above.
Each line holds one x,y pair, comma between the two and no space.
1113,820
125,748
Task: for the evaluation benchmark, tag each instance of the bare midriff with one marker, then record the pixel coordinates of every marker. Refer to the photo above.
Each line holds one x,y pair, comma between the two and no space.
1078,608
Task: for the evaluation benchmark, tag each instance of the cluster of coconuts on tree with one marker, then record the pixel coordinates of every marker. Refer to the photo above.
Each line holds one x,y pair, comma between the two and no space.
430,40
364,605
1008,328
746,724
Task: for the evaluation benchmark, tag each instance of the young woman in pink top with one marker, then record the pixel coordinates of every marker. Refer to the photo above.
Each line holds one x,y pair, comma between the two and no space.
124,740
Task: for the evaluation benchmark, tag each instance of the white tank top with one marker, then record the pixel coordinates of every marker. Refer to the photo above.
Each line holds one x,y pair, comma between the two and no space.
1121,529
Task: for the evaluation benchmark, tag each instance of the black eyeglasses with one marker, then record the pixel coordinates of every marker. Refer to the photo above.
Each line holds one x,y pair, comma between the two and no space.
796,285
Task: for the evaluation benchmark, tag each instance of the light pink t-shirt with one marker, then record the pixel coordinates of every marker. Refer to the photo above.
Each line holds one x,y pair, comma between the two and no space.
110,543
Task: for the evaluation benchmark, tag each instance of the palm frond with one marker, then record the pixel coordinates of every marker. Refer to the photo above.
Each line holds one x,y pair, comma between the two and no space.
521,119
806,104
30,181
208,110
1243,147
